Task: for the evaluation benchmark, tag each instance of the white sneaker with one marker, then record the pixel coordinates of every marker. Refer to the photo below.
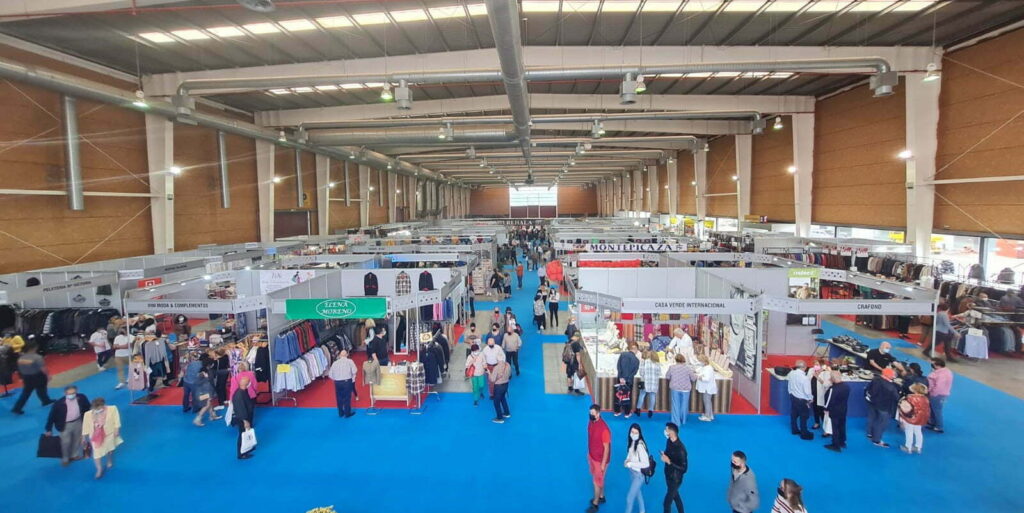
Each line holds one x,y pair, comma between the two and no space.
119,386
100,367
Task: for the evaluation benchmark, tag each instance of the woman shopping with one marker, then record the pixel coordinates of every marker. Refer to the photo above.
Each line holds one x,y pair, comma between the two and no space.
637,459
707,386
475,368
789,498
101,427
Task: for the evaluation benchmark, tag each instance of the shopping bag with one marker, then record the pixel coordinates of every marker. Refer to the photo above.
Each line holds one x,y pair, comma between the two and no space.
248,440
49,447
230,414
579,384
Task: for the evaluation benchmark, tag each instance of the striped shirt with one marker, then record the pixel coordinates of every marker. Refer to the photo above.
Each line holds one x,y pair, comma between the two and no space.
782,506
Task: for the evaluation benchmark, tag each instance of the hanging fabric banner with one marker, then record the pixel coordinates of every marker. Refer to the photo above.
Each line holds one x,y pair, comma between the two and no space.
350,308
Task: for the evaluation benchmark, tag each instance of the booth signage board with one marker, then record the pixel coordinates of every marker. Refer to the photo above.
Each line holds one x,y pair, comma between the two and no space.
183,307
446,248
624,247
597,299
131,274
274,280
173,268
865,307
22,294
343,308
687,305
418,257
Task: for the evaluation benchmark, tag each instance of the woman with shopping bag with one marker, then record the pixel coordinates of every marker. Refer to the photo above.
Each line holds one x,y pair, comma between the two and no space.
242,410
101,426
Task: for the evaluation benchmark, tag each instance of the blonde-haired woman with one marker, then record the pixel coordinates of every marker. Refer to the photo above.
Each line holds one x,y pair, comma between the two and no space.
707,386
102,427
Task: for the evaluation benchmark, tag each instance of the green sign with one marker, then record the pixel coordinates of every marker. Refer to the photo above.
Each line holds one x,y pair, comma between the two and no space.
804,273
345,308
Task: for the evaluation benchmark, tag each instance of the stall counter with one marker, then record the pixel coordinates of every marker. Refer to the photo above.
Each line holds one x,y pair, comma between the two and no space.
779,395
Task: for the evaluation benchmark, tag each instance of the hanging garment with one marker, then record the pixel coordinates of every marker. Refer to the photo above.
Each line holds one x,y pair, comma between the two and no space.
370,284
403,284
426,281
415,378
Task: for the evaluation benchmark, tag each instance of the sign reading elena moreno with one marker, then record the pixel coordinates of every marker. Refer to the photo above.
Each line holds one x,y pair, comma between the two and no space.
342,308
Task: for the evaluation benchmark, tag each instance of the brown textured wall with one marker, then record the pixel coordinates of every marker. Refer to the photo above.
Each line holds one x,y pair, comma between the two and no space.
857,177
771,186
378,213
662,191
492,201
40,231
198,216
342,216
577,201
687,201
973,105
721,168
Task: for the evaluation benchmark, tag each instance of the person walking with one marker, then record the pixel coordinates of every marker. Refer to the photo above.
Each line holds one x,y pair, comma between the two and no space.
553,298
343,373
675,460
570,328
789,498
940,383
599,452
800,400
511,344
506,282
742,495
914,412
638,459
243,411
573,370
538,313
122,356
204,392
650,379
707,386
66,417
680,382
32,369
519,274
883,395
627,367
836,399
499,376
101,346
188,384
475,368
102,427
944,334
542,273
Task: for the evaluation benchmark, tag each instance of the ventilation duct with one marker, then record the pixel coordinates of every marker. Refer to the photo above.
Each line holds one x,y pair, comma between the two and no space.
73,156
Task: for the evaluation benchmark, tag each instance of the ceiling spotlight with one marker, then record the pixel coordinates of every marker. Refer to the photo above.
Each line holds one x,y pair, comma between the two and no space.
665,187
597,130
693,183
207,277
386,94
258,5
580,150
281,136
471,153
391,165
483,162
778,123
707,147
398,191
734,178
403,96
174,170
932,73
641,87
140,99
371,188
791,170
446,133
331,185
491,171
276,179
905,154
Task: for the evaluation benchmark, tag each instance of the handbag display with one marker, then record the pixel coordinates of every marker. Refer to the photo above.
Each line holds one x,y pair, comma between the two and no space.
49,447
248,440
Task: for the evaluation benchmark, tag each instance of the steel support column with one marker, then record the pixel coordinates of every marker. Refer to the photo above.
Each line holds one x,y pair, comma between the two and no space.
323,194
364,196
744,161
803,159
160,156
700,175
265,188
653,189
922,114
673,182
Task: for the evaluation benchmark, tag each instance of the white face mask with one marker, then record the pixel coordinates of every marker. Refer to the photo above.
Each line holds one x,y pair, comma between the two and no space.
634,436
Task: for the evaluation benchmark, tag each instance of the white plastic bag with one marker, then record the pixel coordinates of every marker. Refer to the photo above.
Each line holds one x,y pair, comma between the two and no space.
229,414
579,384
248,440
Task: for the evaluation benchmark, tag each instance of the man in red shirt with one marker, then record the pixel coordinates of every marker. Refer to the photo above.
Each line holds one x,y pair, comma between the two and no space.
599,451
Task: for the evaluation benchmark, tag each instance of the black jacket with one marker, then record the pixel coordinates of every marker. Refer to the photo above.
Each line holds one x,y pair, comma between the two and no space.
837,398
884,395
243,407
426,281
628,366
59,412
370,284
677,465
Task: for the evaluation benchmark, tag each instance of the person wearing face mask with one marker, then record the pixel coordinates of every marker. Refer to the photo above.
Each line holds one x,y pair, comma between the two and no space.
836,398
789,498
493,354
475,368
637,459
511,343
882,358
538,313
743,496
627,367
102,426
675,460
66,417
800,400
599,452
882,395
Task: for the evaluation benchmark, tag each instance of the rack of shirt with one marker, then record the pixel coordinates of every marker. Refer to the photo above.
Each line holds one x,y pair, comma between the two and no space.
305,350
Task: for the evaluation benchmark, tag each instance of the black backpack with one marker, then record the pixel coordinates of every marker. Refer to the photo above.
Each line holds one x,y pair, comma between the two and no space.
651,465
567,354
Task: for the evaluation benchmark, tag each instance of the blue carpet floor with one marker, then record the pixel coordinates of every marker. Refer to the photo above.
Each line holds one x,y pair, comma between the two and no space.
453,458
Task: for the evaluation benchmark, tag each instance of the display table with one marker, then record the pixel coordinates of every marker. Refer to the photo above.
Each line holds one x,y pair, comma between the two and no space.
976,346
779,395
391,386
836,350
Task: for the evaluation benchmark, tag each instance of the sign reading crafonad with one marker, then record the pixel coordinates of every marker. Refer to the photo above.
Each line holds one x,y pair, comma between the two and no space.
342,308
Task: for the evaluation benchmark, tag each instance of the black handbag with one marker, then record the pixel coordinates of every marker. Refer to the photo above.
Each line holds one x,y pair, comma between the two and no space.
49,447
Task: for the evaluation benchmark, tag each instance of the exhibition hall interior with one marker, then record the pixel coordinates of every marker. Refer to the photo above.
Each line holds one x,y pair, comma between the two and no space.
341,256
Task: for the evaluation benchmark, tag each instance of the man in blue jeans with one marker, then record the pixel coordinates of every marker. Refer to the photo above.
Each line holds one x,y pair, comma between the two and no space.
884,395
343,373
800,397
680,382
188,383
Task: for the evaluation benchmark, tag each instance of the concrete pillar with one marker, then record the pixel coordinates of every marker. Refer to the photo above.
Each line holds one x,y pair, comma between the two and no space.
922,107
673,182
392,198
653,189
323,194
803,159
744,162
700,175
638,190
160,157
364,196
265,188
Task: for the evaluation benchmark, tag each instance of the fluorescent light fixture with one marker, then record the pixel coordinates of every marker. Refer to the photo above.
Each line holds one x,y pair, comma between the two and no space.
786,6
912,6
226,31
932,73
905,154
828,5
791,170
191,34
781,74
334,21
371,18
756,74
157,37
410,15
871,6
352,86
276,179
579,6
702,6
280,91
700,74
670,75
297,25
727,74
261,28
661,6
374,85
174,170
477,9
620,6
540,6
443,13
327,88
303,89
744,5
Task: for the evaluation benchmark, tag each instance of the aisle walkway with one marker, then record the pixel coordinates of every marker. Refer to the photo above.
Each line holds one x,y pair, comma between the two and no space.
452,458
